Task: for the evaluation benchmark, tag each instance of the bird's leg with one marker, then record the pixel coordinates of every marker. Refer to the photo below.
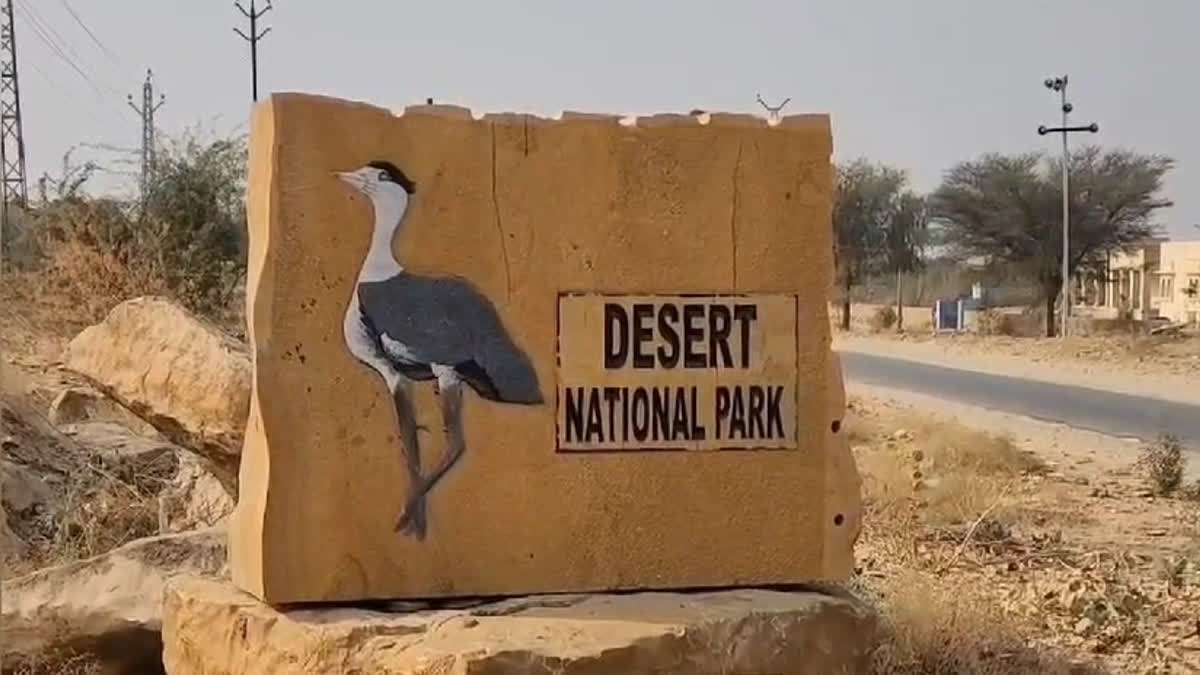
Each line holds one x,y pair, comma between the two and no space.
412,520
451,396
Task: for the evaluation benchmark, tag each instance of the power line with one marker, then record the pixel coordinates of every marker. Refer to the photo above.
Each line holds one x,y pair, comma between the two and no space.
66,96
106,103
99,43
58,51
52,39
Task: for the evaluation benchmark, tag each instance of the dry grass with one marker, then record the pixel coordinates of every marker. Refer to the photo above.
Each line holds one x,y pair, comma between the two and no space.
87,257
931,628
939,496
97,503
952,474
993,322
58,663
984,560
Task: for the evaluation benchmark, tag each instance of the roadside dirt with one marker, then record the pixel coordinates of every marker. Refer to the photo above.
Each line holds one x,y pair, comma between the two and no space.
1008,545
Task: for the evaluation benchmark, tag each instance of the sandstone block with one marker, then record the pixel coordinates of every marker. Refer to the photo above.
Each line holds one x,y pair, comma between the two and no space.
210,628
174,370
109,606
494,357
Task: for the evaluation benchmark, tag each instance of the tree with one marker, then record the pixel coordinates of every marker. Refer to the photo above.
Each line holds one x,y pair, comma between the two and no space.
866,200
904,238
1008,208
195,217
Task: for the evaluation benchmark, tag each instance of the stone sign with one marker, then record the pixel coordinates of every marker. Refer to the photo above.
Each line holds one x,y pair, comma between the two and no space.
676,372
515,355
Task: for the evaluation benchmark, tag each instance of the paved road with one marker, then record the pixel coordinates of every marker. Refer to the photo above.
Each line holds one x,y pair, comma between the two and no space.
1103,411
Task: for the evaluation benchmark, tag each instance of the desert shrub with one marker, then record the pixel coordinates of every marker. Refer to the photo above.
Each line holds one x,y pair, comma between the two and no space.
1163,464
883,318
1191,491
184,239
993,322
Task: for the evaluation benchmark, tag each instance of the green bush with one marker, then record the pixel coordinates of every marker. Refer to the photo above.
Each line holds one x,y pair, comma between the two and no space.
185,238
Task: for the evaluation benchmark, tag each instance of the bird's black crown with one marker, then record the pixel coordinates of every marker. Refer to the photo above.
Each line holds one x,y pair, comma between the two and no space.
394,174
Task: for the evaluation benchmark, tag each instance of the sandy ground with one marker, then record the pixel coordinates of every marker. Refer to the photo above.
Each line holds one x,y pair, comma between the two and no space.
1074,561
1057,443
1176,378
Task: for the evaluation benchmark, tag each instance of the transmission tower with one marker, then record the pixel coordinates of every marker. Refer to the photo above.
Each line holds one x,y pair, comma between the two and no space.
12,141
146,111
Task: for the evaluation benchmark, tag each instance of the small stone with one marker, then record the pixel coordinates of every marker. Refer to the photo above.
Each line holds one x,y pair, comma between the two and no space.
1156,532
1084,626
901,435
918,455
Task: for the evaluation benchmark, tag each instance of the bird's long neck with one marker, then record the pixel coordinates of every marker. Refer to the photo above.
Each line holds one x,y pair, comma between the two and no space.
380,262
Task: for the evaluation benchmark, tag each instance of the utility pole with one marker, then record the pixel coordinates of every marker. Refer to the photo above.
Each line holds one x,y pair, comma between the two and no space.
254,15
146,112
13,189
1059,84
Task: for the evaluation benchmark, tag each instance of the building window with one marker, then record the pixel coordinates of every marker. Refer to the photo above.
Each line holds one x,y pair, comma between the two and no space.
1166,287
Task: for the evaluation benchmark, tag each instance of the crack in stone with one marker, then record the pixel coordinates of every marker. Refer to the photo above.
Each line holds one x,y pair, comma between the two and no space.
499,223
737,168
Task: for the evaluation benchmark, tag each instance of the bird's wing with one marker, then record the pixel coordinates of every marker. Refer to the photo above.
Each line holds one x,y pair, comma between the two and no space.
447,321
435,320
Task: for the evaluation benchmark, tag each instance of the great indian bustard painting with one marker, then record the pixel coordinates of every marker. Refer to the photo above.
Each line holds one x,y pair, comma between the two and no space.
411,329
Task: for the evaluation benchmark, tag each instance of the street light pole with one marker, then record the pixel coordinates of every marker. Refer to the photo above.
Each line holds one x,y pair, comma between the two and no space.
1059,84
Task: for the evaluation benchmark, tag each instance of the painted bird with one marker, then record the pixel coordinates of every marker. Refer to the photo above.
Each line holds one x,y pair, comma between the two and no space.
410,328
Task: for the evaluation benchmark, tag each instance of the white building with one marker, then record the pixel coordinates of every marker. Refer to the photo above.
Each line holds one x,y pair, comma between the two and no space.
1157,279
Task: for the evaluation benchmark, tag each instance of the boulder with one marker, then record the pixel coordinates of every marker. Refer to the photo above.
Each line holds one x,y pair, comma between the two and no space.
179,373
196,497
28,502
85,404
134,459
109,606
210,627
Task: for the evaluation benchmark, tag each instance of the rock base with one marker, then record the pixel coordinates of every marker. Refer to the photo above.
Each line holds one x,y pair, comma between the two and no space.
212,628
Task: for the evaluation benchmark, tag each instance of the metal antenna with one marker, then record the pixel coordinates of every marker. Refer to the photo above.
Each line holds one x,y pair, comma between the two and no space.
772,111
13,189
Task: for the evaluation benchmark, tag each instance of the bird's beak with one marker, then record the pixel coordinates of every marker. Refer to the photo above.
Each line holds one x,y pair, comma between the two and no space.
351,179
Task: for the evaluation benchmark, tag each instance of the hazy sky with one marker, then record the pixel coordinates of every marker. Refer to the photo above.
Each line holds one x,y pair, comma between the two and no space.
920,84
